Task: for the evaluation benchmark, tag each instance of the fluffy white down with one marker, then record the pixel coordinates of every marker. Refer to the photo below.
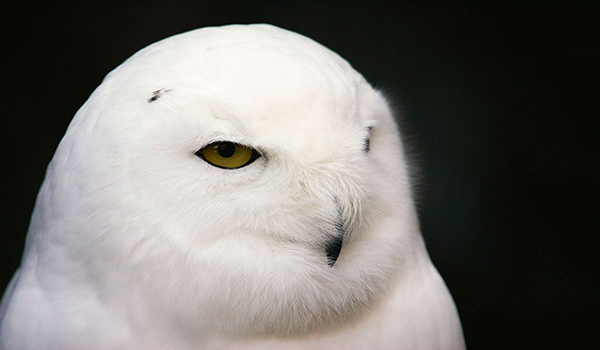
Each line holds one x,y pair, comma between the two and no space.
136,242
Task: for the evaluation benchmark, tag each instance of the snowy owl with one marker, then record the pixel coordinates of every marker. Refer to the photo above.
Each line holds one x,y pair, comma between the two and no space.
236,187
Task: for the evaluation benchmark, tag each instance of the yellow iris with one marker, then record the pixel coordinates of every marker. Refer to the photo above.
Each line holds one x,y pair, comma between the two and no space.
228,155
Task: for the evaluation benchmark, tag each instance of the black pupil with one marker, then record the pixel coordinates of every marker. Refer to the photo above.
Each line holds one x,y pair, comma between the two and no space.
226,149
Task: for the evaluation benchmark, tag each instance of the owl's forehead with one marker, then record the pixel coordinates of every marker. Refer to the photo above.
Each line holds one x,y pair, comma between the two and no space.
258,67
279,84
272,83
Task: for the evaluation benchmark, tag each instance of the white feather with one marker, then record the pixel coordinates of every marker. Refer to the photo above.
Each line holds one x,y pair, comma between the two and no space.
137,243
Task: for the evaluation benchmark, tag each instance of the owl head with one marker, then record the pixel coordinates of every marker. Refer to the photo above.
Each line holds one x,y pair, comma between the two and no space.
241,180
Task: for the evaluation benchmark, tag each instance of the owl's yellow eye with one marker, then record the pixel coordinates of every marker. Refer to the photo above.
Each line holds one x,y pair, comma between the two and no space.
228,155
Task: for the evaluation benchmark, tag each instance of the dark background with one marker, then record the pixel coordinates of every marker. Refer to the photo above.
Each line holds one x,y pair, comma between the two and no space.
499,102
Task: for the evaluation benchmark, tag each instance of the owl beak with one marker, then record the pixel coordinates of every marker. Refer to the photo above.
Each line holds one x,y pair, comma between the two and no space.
334,246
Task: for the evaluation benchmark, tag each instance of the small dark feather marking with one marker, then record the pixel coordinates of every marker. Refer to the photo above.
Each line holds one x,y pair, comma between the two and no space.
156,94
367,145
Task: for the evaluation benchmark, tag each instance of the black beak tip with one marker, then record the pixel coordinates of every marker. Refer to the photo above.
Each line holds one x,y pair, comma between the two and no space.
332,250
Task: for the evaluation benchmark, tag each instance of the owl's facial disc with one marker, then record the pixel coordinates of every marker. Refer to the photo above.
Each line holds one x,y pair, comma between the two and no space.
231,155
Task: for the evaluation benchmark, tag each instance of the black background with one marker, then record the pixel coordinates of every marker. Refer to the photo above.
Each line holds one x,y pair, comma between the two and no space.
498,101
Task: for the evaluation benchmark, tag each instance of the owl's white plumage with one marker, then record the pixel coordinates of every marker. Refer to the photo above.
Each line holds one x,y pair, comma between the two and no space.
136,242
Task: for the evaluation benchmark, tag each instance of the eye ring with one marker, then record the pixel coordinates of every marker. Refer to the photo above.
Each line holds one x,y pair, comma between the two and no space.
228,155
